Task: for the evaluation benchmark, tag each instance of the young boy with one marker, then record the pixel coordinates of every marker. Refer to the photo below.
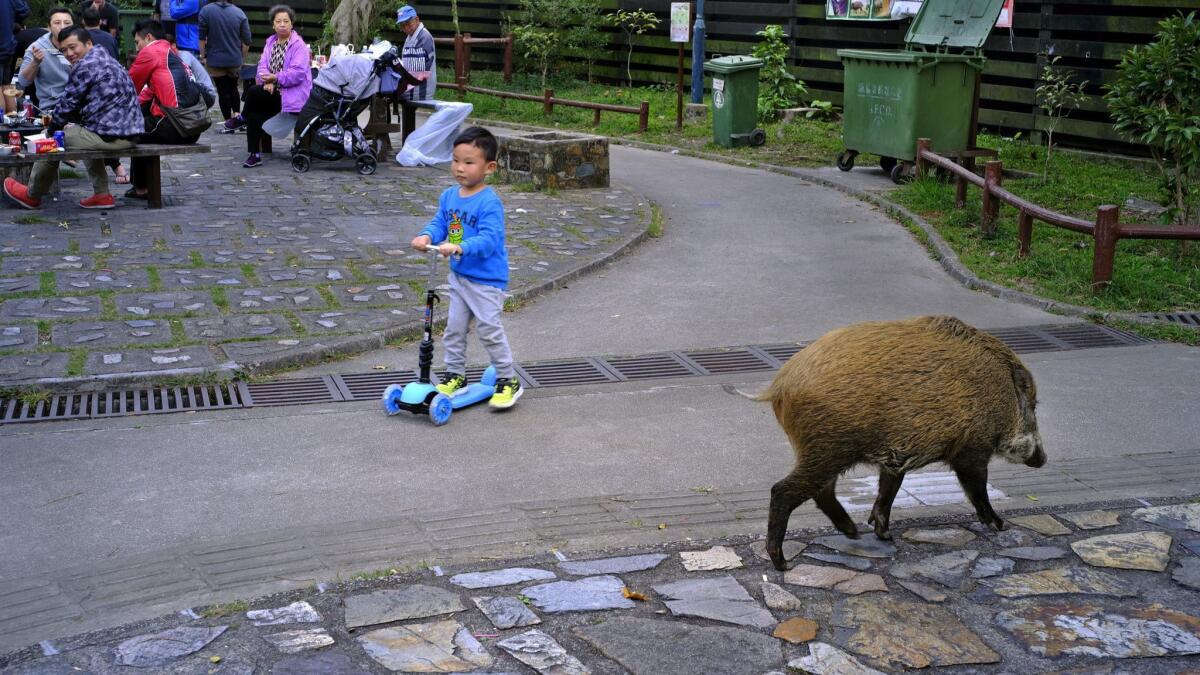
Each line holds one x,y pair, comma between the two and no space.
470,226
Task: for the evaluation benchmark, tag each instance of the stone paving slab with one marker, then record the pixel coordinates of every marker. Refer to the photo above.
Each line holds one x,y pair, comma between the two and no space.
420,621
233,241
104,334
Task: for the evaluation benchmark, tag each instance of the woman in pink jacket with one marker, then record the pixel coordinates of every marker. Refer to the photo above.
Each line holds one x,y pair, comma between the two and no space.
283,83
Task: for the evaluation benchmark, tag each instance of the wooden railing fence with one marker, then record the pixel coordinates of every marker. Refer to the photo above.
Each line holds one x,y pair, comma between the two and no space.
548,102
1105,231
462,53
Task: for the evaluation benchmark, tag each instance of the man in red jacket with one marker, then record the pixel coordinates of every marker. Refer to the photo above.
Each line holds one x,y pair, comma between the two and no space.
161,79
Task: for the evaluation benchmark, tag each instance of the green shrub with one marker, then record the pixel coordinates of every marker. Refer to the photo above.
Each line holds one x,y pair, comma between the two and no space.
777,87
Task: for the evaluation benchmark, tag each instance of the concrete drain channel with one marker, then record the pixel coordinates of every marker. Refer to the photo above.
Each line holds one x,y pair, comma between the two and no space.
566,372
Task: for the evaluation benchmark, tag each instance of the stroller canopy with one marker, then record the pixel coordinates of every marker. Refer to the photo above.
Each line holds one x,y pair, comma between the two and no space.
350,75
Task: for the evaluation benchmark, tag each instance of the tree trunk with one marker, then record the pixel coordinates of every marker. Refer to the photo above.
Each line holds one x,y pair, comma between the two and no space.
352,20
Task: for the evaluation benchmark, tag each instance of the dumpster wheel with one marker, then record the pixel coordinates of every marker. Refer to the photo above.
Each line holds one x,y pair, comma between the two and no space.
902,173
887,164
758,137
845,161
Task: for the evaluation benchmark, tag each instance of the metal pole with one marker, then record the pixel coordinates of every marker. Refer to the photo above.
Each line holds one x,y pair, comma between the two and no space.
698,54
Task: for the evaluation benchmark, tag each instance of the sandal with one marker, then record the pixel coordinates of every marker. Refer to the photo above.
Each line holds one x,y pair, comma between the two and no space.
132,193
122,175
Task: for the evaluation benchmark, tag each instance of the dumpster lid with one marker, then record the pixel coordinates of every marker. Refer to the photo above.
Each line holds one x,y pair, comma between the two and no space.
953,23
732,64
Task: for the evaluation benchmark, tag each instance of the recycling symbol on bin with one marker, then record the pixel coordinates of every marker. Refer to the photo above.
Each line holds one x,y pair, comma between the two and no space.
719,99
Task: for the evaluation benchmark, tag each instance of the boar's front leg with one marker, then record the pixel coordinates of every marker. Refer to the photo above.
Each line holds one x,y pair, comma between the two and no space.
973,478
881,513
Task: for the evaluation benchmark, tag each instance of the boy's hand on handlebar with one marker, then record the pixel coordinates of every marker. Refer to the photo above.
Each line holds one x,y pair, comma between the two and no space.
420,243
447,249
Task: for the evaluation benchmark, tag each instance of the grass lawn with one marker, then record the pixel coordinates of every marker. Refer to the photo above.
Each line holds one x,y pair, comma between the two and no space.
1149,276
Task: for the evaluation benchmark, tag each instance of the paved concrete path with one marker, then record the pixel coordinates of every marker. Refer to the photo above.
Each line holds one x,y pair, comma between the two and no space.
748,257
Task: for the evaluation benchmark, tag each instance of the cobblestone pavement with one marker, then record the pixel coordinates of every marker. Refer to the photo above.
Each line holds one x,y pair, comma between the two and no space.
1100,589
256,268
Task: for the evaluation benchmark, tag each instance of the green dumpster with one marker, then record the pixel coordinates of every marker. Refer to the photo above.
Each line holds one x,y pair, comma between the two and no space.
735,100
927,90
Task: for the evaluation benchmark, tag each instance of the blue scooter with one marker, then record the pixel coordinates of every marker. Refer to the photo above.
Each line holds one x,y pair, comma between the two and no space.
422,397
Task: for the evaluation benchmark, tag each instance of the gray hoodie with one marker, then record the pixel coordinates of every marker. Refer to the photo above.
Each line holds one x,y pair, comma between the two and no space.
51,76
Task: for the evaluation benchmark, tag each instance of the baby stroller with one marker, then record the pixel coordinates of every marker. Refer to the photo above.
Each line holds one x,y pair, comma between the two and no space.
334,132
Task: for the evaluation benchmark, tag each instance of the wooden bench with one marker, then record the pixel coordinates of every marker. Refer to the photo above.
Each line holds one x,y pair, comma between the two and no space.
146,150
380,124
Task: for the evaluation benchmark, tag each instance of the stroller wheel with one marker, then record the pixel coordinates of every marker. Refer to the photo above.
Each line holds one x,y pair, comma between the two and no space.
365,164
301,163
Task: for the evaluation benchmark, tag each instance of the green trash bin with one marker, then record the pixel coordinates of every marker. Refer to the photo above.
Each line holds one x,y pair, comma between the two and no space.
735,100
927,90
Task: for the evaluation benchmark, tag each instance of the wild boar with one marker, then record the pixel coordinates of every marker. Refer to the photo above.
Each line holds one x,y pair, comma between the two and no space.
899,395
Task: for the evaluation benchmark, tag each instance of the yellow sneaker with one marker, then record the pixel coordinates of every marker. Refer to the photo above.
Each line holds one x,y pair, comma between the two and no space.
507,393
453,383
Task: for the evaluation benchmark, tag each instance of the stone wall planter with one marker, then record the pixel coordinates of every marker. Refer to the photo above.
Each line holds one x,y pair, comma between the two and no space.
555,160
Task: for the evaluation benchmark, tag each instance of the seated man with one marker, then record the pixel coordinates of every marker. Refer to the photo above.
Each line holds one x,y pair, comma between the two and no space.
97,111
161,78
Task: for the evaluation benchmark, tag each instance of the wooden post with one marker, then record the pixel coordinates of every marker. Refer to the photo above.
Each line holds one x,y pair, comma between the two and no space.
508,58
643,116
679,91
960,191
548,102
922,145
466,56
1024,234
461,83
1106,232
458,57
991,205
596,117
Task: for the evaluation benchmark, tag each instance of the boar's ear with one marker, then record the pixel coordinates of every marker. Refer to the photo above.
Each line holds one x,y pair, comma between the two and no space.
1023,382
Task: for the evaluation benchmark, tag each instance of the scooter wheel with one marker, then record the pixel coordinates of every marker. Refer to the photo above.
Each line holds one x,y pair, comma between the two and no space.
391,398
365,164
845,161
439,409
301,163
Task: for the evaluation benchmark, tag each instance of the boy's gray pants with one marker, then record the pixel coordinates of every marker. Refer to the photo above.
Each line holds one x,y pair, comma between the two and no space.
469,300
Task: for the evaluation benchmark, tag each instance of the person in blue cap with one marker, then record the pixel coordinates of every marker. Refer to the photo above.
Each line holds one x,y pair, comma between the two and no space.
417,56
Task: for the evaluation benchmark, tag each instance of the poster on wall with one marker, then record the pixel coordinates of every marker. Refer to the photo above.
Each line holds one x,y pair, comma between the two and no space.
1005,19
859,10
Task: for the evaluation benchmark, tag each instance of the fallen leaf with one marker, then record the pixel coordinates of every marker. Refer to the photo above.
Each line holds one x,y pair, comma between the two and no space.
662,526
632,595
380,367
214,659
1032,498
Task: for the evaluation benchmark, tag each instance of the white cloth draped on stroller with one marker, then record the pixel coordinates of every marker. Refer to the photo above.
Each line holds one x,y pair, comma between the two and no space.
433,142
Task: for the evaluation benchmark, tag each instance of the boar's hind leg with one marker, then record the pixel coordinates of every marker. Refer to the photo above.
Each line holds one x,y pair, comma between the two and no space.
881,513
786,495
827,501
973,478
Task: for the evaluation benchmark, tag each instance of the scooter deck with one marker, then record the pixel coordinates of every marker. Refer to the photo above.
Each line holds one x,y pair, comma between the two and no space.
471,394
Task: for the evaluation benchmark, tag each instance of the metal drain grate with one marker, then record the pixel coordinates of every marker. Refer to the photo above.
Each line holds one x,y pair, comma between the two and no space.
567,372
294,392
1184,318
651,366
365,386
720,361
561,373
85,405
1089,336
1024,341
781,353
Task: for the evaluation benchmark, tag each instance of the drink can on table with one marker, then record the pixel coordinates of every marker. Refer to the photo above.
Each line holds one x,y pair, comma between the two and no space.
14,138
60,139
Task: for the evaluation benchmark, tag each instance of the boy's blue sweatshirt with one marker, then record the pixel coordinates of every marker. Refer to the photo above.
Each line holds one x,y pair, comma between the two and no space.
475,223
